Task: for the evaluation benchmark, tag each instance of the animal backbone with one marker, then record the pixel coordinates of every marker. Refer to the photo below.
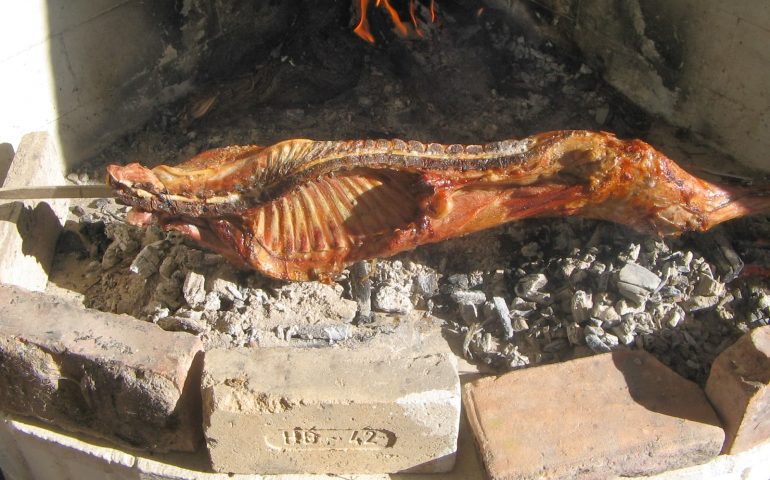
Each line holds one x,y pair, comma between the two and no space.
304,209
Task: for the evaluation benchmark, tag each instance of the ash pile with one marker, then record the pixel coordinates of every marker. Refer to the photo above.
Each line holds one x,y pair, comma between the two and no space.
531,292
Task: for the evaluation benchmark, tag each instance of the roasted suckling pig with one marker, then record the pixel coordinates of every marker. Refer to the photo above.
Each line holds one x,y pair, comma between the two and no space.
304,209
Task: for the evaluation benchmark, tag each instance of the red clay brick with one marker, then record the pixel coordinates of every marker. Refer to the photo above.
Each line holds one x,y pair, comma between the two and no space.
739,388
99,373
621,413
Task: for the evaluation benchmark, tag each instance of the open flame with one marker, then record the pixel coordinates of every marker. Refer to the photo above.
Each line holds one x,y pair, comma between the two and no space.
403,28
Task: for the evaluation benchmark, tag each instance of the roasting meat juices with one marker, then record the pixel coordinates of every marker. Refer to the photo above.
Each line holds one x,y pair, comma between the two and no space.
304,209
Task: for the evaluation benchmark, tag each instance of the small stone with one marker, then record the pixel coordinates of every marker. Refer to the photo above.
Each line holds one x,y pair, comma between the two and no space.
475,297
392,299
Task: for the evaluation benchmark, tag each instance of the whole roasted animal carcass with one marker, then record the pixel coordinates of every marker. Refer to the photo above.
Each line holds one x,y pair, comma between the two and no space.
304,209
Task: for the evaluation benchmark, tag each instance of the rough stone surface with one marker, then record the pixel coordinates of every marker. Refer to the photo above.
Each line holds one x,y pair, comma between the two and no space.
622,413
330,410
739,389
28,230
103,374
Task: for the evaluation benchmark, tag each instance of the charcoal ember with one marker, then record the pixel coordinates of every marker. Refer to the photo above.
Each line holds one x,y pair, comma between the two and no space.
184,320
393,299
361,290
699,302
126,240
497,285
624,307
469,313
530,288
211,302
474,297
718,248
426,284
522,307
328,333
636,283
515,359
593,330
224,282
625,331
168,291
631,253
708,286
193,289
503,316
610,340
556,345
519,323
458,281
148,261
530,250
230,323
643,322
575,334
581,306
595,343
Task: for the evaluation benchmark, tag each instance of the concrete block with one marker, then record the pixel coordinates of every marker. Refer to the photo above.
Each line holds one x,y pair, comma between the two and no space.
330,410
29,230
622,413
739,388
107,375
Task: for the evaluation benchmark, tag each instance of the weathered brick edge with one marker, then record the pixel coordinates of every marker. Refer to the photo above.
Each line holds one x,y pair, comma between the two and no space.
107,375
739,388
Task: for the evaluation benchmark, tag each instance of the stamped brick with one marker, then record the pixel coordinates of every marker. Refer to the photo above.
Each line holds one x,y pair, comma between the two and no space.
621,413
107,375
739,388
331,410
29,229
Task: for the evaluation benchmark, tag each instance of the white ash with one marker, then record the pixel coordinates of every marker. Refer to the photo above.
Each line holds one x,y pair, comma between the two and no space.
580,287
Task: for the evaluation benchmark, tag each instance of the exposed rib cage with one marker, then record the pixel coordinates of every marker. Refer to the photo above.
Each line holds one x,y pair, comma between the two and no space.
304,209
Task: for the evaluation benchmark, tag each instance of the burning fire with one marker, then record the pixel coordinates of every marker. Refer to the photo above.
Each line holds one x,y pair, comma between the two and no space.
403,28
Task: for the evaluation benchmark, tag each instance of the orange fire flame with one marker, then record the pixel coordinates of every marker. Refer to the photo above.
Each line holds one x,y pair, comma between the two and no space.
403,28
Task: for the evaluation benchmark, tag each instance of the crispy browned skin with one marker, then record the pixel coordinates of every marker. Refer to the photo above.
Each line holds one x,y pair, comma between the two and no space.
303,209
